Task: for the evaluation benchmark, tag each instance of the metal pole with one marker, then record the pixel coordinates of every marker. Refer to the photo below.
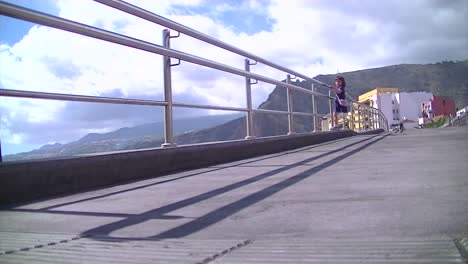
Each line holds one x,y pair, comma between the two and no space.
379,120
1,157
314,109
382,121
290,107
168,122
376,119
374,125
249,115
369,117
330,102
366,117
351,125
359,117
93,32
144,14
344,115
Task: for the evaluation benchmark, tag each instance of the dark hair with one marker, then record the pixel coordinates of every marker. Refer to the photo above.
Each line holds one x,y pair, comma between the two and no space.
341,78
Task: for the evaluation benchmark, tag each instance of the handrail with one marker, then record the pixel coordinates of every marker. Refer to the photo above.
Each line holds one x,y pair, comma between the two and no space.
77,98
86,30
152,17
22,13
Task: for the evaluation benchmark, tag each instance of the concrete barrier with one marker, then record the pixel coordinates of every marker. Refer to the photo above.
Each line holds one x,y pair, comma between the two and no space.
26,181
372,132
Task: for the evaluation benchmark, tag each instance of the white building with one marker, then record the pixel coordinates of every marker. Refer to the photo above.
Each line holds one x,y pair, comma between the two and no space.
396,106
462,111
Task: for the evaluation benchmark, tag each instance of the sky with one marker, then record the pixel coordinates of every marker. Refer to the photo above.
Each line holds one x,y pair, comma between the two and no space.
309,36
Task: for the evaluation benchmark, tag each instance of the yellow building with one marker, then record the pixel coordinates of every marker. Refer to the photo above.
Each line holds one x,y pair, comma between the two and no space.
362,120
365,98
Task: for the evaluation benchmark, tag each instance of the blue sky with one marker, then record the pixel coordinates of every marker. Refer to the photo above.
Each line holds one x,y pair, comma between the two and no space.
238,17
235,14
311,37
13,30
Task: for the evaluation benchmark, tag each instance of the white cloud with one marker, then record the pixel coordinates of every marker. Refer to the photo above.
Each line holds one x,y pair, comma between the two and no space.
311,37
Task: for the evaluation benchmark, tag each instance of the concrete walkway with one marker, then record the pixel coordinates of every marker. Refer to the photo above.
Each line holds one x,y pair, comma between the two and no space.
392,198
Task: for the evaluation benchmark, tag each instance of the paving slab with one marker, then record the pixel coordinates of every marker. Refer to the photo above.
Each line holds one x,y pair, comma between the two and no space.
371,198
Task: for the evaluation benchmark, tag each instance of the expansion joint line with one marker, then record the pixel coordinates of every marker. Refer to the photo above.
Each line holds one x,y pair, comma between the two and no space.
224,252
41,245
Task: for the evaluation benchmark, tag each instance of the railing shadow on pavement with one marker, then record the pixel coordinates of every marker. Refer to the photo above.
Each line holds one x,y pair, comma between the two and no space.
162,212
14,206
199,223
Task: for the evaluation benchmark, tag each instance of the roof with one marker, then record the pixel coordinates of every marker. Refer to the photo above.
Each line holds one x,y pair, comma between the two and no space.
378,90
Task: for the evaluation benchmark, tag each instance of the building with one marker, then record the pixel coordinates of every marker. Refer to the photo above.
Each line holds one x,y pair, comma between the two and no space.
395,105
462,111
437,106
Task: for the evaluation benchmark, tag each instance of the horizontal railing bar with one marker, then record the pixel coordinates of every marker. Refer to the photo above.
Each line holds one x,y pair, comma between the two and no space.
211,107
307,114
144,14
77,98
285,112
364,122
270,111
111,100
82,29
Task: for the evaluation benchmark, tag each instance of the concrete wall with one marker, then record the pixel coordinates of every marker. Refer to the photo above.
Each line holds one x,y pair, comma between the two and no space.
410,106
25,181
385,105
398,106
443,106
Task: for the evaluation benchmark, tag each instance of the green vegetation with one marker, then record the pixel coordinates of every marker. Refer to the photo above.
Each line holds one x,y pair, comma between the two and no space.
438,123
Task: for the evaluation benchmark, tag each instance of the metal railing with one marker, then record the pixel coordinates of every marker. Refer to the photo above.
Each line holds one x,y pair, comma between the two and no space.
165,50
375,117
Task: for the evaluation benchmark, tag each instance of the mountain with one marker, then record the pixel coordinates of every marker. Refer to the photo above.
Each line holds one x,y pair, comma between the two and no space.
146,135
445,78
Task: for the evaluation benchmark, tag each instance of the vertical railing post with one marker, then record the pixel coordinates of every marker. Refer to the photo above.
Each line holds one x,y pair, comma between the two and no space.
1,156
374,118
330,103
344,116
314,109
351,122
366,117
290,107
249,117
359,117
369,117
168,121
379,119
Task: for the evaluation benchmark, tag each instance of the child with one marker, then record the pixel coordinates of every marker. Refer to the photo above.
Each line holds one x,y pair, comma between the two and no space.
340,99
